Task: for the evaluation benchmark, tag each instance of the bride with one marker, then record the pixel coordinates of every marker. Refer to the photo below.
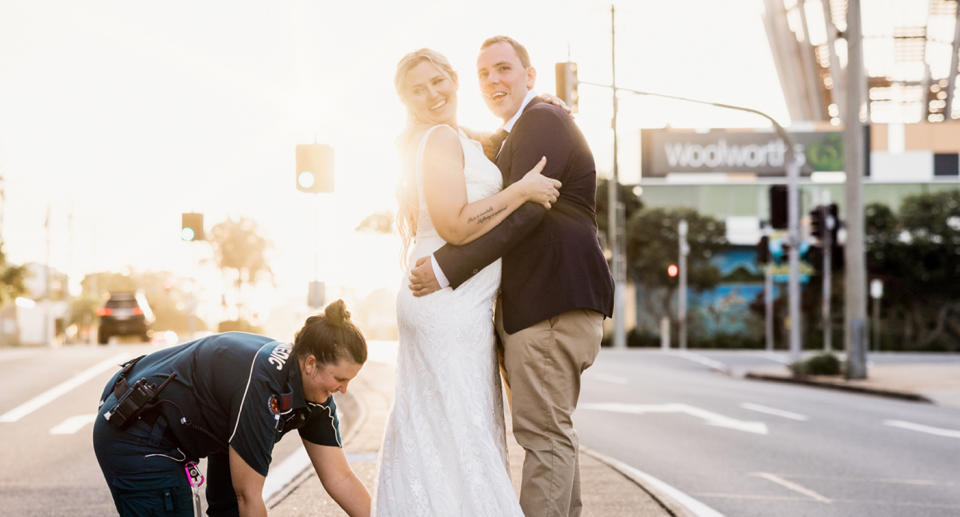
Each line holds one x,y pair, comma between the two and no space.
444,450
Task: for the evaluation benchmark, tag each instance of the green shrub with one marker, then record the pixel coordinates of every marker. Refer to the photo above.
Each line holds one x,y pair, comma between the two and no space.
822,364
240,325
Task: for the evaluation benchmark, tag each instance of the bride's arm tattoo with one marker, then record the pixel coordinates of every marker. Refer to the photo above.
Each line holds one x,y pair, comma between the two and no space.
486,215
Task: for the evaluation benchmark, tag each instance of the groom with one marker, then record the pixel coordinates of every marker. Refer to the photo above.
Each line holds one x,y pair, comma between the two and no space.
556,286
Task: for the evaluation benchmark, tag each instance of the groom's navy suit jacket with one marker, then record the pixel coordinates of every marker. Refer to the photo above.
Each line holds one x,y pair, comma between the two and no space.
552,261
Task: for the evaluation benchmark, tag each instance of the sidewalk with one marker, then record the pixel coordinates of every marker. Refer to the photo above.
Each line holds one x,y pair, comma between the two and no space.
933,383
606,491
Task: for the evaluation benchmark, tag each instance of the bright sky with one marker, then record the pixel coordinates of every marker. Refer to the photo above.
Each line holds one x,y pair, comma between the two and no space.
119,115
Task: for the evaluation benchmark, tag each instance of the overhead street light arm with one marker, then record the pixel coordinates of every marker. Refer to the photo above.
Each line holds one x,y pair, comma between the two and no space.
781,132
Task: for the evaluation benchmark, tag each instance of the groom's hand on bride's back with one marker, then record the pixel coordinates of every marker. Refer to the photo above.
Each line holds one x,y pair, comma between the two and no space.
422,279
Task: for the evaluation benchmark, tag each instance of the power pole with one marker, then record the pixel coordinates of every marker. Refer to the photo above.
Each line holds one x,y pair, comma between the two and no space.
682,290
614,211
855,309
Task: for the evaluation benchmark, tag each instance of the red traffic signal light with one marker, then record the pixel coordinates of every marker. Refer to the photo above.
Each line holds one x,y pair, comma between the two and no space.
672,270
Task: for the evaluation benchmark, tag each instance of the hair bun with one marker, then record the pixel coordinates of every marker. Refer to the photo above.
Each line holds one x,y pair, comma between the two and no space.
337,313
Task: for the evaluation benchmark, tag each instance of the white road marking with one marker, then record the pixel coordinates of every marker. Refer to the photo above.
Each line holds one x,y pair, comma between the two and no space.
694,506
773,411
73,424
773,357
790,485
602,377
700,359
286,472
938,431
280,475
64,387
711,418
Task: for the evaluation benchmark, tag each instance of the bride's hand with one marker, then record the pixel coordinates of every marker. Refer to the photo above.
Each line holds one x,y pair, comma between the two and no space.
539,188
556,101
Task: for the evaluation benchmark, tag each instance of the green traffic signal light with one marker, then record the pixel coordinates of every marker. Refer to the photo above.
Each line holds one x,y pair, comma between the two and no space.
306,180
191,227
314,168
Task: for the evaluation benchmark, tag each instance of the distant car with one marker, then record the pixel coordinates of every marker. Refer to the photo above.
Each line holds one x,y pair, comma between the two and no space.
124,314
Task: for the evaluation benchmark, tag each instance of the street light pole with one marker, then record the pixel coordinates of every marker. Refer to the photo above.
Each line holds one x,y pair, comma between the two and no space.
614,211
855,307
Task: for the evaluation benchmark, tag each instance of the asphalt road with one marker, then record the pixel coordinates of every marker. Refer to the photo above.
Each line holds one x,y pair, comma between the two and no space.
750,448
739,447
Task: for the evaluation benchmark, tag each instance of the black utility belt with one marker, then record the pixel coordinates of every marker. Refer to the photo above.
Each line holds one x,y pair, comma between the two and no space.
133,400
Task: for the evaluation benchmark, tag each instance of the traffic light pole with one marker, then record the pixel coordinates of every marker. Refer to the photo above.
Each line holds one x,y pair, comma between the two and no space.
828,225
767,296
855,307
682,289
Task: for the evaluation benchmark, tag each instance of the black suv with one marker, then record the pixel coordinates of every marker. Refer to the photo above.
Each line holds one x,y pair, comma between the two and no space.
124,314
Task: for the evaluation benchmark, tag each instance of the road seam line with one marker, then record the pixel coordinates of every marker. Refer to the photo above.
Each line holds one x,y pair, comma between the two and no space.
701,359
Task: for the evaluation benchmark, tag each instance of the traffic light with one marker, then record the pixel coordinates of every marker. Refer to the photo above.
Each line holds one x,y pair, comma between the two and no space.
778,206
763,250
191,226
567,84
672,270
832,222
314,168
817,222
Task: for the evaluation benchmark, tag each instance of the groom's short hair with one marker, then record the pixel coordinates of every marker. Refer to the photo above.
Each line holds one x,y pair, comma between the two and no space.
517,47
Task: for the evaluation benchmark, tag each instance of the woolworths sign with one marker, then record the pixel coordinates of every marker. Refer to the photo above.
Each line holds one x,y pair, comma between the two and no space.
763,153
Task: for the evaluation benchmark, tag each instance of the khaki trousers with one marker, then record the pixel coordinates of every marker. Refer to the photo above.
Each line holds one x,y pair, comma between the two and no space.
541,367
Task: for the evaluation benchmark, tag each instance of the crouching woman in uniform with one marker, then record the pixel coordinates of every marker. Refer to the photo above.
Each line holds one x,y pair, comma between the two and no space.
228,397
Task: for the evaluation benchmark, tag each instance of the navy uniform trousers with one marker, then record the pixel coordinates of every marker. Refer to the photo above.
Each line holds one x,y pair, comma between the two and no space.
145,470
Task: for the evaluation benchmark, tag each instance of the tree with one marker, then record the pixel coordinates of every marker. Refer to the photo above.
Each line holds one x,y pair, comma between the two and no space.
653,244
625,194
380,222
11,279
915,255
239,247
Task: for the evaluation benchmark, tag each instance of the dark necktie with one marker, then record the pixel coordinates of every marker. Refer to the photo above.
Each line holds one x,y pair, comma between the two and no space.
491,146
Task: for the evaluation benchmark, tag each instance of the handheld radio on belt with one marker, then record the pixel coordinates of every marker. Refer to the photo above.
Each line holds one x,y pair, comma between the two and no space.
132,400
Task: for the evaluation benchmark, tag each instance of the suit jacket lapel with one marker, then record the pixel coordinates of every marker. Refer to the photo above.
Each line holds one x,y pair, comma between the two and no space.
501,160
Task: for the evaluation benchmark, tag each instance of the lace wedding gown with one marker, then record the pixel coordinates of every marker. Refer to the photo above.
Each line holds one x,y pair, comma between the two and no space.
444,450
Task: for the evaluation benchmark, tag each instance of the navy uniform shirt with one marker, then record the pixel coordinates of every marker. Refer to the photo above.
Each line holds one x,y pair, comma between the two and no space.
238,389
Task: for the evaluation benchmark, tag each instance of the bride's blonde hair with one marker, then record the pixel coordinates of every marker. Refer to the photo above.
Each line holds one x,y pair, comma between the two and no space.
407,197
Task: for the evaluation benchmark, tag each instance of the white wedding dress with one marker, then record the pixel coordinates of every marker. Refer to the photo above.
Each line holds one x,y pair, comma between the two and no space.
444,452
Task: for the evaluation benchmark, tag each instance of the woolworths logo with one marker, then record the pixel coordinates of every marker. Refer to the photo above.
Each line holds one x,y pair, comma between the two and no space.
822,152
827,154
